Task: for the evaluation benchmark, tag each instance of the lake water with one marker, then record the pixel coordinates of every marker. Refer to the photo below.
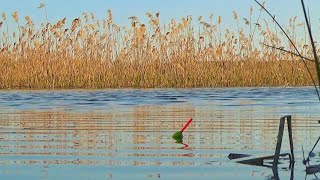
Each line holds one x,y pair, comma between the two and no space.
126,134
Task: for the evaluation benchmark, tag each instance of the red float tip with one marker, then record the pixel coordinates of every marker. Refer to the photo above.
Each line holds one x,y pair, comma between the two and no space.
185,126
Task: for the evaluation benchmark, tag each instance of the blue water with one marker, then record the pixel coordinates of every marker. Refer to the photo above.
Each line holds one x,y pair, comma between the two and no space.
126,134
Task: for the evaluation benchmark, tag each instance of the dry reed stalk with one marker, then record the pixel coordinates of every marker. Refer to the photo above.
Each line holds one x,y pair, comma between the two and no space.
93,53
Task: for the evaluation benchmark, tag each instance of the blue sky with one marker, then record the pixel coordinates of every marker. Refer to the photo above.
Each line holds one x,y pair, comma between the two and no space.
122,9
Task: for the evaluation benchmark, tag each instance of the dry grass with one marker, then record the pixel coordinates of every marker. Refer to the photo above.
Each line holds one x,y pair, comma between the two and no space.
91,53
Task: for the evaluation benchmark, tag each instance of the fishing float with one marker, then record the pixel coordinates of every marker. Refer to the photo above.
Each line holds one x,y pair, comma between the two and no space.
178,134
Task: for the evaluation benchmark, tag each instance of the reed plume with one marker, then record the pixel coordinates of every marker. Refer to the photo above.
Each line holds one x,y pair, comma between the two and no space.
87,52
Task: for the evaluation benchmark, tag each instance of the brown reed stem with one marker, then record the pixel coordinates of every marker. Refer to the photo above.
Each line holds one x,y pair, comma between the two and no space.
287,51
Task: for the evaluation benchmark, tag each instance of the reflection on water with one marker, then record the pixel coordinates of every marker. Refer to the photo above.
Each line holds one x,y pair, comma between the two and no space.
121,134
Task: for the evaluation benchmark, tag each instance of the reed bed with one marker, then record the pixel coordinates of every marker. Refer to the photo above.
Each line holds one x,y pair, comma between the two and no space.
97,53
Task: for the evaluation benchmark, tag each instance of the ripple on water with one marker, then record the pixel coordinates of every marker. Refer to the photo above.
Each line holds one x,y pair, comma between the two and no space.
130,130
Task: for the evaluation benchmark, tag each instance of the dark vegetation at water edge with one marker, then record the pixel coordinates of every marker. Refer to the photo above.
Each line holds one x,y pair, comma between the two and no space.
92,53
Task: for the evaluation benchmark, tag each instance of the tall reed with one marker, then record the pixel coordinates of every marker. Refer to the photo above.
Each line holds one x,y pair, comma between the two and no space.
92,53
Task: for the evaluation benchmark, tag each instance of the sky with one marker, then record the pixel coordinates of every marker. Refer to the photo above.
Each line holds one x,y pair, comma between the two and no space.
169,9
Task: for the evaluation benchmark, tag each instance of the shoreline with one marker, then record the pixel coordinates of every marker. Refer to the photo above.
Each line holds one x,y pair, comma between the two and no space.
153,88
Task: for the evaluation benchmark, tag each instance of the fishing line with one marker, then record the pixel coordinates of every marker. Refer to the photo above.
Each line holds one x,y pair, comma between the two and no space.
295,47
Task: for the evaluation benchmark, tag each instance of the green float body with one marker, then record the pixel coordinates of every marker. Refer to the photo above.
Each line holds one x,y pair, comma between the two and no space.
177,135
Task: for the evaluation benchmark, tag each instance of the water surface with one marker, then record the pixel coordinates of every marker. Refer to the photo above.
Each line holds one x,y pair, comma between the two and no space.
126,134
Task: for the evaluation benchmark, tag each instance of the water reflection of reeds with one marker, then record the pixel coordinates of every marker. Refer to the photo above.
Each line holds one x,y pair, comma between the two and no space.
141,136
